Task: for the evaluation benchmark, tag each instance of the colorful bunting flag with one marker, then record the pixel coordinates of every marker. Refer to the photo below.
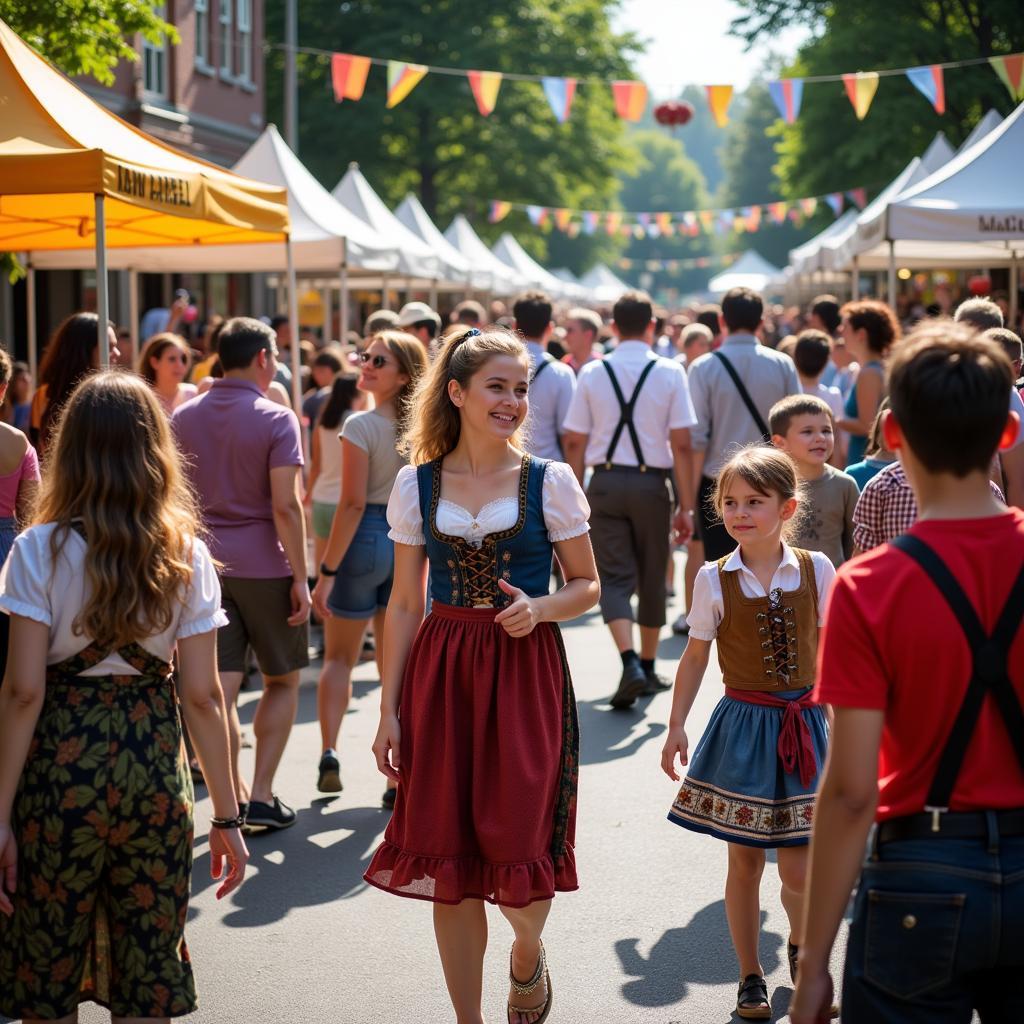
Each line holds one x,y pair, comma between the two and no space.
861,89
613,222
807,207
929,82
664,221
835,200
1011,73
499,210
719,98
630,99
707,219
574,229
590,221
638,231
777,213
560,93
788,95
538,215
562,218
348,76
858,197
485,86
402,79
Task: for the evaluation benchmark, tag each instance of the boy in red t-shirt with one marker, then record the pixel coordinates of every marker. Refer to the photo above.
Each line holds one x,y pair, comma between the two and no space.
923,661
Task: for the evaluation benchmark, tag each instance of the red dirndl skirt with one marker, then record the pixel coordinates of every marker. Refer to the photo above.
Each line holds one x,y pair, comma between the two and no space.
486,805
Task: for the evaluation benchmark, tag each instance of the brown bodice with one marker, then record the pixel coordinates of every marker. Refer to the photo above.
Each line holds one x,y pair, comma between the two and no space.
769,643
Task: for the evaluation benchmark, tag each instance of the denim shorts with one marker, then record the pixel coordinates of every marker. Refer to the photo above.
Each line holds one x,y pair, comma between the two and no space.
937,932
363,583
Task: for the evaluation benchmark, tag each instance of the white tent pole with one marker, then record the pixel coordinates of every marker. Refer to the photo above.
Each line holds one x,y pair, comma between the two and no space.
384,301
102,296
433,294
133,309
293,326
343,300
855,279
33,327
1014,286
328,314
892,274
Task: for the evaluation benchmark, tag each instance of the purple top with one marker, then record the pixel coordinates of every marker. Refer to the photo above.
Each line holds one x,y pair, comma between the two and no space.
232,436
9,482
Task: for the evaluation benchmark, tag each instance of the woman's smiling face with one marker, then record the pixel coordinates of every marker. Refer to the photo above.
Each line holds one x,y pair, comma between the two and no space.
494,402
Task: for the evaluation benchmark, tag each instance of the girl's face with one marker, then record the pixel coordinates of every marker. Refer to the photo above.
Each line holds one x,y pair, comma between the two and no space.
494,403
114,351
750,515
381,375
856,339
170,366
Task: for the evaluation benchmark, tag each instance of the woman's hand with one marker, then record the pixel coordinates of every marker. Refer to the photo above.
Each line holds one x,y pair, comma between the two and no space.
388,741
812,999
522,615
322,591
675,743
227,843
8,869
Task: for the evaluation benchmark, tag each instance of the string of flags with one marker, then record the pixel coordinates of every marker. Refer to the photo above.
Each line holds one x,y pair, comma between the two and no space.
684,223
671,266
349,73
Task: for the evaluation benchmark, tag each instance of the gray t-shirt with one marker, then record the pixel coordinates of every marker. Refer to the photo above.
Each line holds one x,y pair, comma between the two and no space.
375,434
826,519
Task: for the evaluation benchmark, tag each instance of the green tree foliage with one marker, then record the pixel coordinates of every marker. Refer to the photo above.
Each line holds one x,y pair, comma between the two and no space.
435,142
661,176
873,35
86,37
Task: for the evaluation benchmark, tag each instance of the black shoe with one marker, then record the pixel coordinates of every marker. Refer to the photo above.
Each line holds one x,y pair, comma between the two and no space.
243,810
631,685
655,684
277,815
330,774
388,799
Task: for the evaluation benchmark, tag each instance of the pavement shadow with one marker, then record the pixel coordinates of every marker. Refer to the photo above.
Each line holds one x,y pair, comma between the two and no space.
610,735
699,953
332,848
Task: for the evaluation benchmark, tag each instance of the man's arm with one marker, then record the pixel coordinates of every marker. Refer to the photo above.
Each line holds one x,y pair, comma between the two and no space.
574,446
290,524
682,471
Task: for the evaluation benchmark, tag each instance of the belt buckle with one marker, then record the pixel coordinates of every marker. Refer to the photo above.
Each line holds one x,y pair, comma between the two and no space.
936,813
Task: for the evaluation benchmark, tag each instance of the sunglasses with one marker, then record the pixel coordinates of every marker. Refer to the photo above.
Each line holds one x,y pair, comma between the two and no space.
377,362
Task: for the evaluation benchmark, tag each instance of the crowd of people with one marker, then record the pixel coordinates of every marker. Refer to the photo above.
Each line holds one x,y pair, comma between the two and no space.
848,498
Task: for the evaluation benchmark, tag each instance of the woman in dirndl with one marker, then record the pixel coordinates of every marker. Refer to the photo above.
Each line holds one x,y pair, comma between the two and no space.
478,720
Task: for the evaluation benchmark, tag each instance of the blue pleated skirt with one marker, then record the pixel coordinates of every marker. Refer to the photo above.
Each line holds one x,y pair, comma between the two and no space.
736,788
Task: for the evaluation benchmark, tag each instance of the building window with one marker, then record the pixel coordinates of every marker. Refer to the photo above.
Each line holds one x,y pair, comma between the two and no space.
154,62
227,65
203,33
245,40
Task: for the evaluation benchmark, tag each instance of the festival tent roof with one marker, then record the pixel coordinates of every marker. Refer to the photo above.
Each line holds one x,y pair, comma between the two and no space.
455,266
415,257
60,151
571,282
508,250
603,285
505,279
752,271
992,120
806,258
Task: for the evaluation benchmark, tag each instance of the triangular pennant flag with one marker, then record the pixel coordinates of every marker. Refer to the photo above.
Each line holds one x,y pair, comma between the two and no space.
348,76
835,200
754,219
638,231
719,98
613,222
630,99
861,89
560,93
499,210
929,82
538,215
626,231
808,206
574,229
777,212
402,79
1010,70
664,221
485,86
644,218
562,218
707,219
858,197
787,95
590,221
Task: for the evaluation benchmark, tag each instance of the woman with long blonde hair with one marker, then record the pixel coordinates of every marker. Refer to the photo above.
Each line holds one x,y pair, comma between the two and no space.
95,795
478,718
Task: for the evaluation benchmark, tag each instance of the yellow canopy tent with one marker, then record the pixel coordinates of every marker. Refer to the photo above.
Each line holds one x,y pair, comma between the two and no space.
74,176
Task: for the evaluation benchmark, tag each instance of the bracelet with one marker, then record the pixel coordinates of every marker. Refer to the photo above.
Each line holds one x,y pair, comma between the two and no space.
324,571
236,822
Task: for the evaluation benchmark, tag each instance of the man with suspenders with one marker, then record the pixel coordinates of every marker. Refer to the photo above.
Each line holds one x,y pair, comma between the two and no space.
630,422
551,383
923,661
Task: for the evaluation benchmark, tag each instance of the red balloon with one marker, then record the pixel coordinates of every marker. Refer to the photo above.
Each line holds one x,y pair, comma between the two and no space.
979,285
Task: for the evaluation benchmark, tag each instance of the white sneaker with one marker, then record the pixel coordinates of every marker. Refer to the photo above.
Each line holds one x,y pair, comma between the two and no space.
681,627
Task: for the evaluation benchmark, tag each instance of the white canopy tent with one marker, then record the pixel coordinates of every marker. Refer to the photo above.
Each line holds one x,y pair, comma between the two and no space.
806,258
508,250
752,271
455,266
505,280
574,290
992,120
603,285
975,202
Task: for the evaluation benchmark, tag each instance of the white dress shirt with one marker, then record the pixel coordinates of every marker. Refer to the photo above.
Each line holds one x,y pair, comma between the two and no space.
664,405
707,607
550,395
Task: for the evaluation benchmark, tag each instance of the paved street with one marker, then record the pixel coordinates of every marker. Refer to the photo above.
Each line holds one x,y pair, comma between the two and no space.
644,939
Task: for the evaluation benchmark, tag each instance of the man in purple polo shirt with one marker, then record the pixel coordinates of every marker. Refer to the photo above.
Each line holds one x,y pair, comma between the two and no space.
245,455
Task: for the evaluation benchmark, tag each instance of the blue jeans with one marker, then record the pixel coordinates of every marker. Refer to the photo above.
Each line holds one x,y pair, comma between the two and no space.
938,928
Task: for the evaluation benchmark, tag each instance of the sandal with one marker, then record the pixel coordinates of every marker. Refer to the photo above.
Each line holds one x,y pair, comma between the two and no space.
541,973
752,998
793,955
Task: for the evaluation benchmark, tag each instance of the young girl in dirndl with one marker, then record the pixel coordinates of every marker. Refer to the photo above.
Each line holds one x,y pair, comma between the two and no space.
478,719
752,778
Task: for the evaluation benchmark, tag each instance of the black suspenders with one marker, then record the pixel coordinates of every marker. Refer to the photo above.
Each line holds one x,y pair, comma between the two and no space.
990,673
626,414
541,366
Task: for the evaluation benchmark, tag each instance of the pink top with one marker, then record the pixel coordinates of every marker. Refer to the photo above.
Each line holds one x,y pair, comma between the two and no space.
9,482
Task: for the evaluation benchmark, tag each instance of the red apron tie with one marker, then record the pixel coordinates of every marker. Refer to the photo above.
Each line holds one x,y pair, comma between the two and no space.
796,749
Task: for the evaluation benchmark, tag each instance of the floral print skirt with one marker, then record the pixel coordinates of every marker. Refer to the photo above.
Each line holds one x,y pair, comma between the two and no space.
103,823
736,787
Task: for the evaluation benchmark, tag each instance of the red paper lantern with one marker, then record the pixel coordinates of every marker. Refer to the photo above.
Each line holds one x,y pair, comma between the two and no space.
979,285
673,113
